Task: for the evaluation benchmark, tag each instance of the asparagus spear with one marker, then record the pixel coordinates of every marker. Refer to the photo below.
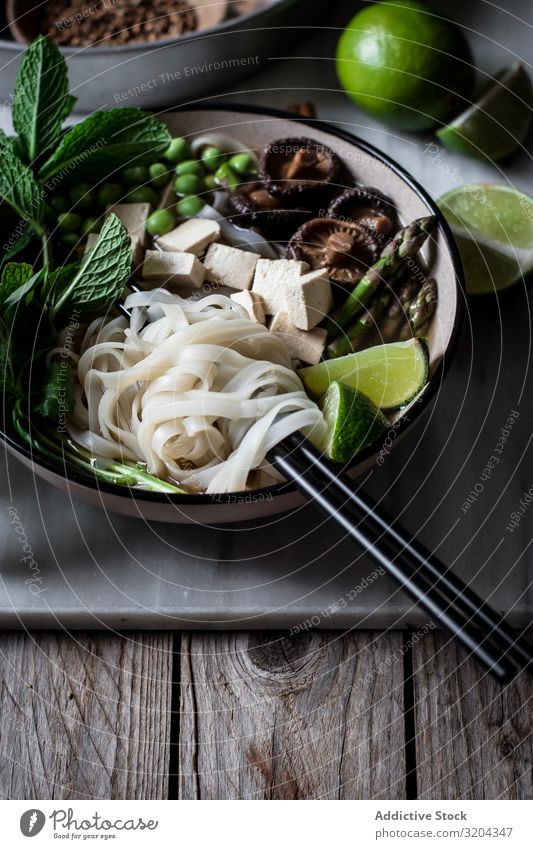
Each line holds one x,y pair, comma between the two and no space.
420,309
357,332
397,313
389,266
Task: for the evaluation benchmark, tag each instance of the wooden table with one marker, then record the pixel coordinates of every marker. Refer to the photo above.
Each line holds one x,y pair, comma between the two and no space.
258,716
360,714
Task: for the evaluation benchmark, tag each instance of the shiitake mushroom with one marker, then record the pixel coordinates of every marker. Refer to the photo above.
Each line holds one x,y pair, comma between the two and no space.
252,205
346,248
368,207
294,169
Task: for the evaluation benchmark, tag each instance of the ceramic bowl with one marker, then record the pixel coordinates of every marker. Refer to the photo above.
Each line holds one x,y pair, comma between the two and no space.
367,165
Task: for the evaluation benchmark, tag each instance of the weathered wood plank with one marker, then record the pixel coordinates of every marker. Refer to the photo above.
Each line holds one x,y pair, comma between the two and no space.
474,738
85,716
307,716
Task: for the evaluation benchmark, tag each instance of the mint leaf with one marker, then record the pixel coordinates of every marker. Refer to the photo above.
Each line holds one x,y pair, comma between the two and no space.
102,275
20,244
20,190
59,278
14,275
3,139
25,290
57,393
107,141
7,375
42,101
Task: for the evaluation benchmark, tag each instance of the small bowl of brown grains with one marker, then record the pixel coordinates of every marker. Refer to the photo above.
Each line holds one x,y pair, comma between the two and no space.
153,53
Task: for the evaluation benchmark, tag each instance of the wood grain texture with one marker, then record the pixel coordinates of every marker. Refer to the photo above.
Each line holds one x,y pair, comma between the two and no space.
85,716
307,716
474,738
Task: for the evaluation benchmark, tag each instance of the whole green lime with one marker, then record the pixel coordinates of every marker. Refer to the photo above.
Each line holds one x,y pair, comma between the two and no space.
404,65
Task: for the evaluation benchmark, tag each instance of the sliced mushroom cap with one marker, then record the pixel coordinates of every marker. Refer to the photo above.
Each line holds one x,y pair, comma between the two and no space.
347,249
252,205
292,168
366,206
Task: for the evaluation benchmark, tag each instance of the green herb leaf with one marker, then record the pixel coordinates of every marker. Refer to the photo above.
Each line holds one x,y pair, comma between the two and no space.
14,275
107,141
102,275
57,393
42,101
25,290
20,190
59,279
3,139
7,376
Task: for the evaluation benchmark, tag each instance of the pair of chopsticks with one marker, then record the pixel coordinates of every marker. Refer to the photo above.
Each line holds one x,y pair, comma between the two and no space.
448,601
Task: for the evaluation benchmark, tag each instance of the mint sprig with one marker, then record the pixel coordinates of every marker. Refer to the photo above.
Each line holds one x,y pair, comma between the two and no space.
42,101
108,141
102,275
19,188
14,275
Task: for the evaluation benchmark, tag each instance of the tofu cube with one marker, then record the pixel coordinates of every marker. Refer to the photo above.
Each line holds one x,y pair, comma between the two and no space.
180,269
308,299
193,236
253,305
230,266
134,217
305,345
272,276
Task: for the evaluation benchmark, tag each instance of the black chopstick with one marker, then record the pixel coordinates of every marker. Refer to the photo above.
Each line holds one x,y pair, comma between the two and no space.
441,594
400,544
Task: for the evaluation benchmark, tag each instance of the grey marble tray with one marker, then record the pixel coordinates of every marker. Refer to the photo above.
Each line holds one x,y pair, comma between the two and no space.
88,569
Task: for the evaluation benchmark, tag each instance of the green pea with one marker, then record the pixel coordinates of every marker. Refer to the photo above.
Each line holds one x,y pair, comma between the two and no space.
178,150
212,158
91,225
210,183
188,184
109,193
159,174
81,196
142,194
59,203
135,176
189,206
70,240
243,164
190,166
160,222
69,222
225,176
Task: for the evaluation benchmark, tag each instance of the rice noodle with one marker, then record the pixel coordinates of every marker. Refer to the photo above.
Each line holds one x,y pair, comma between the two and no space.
194,389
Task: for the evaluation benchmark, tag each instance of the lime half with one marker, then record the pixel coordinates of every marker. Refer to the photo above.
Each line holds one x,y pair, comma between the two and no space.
390,375
498,123
353,422
493,228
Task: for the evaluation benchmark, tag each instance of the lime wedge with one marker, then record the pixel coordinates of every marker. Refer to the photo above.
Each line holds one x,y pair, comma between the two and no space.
493,228
498,123
390,375
353,422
